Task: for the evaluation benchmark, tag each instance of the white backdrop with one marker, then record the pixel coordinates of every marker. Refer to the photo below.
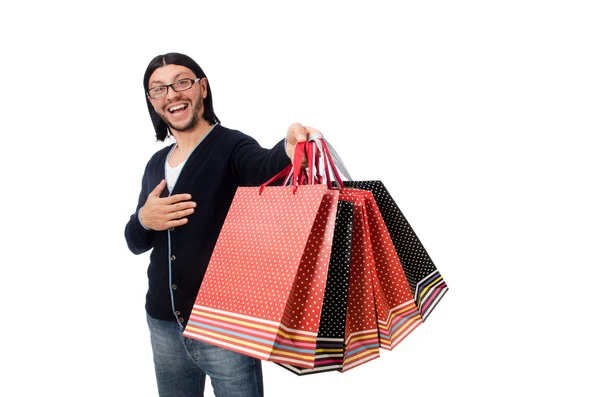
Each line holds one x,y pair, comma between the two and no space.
480,117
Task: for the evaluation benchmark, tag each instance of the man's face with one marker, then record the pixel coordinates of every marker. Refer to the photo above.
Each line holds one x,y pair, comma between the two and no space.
180,110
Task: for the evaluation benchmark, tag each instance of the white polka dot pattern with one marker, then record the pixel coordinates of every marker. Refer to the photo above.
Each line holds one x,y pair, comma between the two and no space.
263,290
361,335
425,281
303,309
258,252
333,318
330,339
397,314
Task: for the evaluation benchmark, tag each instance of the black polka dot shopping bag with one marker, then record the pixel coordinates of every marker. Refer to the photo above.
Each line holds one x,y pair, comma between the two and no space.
393,283
426,283
329,349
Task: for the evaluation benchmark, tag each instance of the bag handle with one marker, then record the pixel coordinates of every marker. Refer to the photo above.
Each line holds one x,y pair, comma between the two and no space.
313,155
315,148
330,168
293,171
286,171
330,165
320,140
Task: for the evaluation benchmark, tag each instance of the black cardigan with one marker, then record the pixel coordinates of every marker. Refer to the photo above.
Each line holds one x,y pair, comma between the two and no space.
224,160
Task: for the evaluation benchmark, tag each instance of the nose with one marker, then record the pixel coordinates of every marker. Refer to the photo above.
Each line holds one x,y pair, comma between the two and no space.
171,93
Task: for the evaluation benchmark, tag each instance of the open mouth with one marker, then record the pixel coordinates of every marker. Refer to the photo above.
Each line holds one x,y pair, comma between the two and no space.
178,108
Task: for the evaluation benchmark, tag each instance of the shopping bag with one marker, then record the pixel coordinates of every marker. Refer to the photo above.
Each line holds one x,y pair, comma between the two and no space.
380,310
329,350
357,318
426,283
263,290
361,336
384,313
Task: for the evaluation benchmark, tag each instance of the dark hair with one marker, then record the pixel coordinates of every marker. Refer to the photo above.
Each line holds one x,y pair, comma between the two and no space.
173,58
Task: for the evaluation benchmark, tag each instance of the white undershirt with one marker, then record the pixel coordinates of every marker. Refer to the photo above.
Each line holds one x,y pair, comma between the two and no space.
172,173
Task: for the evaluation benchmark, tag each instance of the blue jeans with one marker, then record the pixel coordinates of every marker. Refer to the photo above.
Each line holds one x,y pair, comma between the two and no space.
182,363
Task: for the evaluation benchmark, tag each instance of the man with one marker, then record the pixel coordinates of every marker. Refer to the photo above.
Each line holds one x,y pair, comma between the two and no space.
186,192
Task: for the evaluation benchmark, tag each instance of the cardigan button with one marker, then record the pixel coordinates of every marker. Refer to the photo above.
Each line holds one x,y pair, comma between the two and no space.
173,257
174,286
181,319
171,229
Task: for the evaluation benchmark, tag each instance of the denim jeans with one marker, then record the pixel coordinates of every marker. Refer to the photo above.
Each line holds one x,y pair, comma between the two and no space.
182,363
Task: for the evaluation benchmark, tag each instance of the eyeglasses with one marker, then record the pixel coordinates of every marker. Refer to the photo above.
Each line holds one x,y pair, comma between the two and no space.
178,86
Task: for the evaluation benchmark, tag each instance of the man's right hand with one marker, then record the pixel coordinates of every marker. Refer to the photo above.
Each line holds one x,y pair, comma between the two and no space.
167,212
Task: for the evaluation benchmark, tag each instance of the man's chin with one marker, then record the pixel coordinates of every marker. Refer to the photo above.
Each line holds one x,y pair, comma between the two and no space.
183,127
180,129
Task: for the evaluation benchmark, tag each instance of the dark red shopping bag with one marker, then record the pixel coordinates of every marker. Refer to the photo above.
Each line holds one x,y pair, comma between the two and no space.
426,283
263,290
381,309
361,340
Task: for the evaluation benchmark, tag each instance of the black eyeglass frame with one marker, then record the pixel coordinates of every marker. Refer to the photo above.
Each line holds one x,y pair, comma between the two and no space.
172,86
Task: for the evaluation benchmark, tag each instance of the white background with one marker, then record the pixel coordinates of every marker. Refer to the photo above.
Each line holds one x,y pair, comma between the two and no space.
481,118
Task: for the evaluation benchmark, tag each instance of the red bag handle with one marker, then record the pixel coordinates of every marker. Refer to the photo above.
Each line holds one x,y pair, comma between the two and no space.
281,174
313,155
329,167
294,168
297,163
300,176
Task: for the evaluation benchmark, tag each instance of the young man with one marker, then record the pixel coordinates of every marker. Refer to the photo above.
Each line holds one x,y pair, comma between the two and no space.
186,192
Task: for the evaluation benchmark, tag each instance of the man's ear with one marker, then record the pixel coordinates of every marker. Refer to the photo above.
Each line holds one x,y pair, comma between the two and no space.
204,87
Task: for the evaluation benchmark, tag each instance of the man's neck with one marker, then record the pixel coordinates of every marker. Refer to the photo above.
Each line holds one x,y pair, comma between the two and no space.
188,140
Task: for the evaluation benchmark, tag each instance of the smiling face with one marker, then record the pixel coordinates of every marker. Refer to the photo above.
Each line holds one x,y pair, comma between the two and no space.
181,111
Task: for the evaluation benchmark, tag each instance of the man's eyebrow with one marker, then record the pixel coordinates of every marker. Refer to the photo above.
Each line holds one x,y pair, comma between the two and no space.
162,82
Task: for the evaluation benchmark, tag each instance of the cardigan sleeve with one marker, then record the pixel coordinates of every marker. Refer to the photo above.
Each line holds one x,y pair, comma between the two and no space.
254,165
138,237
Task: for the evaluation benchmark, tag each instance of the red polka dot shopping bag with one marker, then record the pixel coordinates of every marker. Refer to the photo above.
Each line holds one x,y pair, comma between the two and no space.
263,290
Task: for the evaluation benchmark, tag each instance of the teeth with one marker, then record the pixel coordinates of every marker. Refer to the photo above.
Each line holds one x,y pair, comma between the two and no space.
174,108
